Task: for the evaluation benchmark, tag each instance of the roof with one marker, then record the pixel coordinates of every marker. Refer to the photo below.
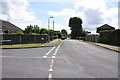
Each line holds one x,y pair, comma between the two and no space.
106,26
9,26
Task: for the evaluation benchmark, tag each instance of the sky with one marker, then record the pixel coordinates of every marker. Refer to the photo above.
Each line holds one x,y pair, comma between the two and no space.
94,13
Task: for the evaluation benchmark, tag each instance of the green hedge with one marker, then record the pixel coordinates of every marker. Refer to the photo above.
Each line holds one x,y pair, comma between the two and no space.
110,37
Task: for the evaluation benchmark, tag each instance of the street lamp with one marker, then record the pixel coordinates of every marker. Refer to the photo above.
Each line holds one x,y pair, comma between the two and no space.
53,25
49,28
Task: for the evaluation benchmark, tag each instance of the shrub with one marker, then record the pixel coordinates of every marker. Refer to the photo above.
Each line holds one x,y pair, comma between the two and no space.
110,37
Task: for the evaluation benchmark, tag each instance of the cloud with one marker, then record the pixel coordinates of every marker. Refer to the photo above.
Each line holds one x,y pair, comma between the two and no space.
92,4
64,12
93,16
16,10
94,13
18,13
24,24
59,27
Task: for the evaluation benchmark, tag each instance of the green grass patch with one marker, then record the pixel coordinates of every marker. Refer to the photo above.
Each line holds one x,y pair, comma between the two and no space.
22,46
59,42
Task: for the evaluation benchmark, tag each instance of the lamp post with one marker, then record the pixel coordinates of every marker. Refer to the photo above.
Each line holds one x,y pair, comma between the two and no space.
49,28
53,25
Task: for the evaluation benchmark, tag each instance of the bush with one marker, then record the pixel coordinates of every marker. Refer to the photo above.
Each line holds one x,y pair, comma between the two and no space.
17,33
110,37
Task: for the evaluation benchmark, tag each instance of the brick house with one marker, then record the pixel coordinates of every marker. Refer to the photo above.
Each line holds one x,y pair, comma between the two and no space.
8,26
105,27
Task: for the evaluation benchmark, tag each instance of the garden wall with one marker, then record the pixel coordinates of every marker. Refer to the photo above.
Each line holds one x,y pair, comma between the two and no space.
110,37
24,39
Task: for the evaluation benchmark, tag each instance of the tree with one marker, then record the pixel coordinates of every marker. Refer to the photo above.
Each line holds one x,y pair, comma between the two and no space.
43,31
75,24
29,29
84,33
64,32
58,33
36,29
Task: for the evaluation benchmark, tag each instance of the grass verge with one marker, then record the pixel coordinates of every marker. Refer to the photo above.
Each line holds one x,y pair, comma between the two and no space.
59,42
97,44
21,46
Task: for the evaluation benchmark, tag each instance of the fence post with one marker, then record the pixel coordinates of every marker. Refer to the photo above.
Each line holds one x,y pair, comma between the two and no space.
20,39
34,38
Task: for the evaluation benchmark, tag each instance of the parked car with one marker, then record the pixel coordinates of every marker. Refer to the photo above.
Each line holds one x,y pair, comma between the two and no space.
63,37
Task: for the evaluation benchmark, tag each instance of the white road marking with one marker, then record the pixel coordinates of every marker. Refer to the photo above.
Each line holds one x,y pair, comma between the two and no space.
49,51
55,53
53,57
44,56
50,76
18,57
51,65
52,61
50,69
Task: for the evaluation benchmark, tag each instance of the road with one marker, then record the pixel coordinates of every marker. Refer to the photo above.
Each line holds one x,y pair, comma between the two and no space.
72,59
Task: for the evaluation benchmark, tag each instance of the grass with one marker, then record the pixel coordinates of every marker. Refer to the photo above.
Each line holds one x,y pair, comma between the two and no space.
28,45
59,42
21,46
95,43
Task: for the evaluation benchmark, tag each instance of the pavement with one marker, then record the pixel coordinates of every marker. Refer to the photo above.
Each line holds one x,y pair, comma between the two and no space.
72,59
52,43
110,47
49,44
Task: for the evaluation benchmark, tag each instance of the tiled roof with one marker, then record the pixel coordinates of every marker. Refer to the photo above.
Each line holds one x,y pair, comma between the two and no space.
106,26
9,26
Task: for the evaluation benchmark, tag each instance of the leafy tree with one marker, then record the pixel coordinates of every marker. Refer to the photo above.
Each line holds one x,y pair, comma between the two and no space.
75,24
64,32
43,31
29,29
84,33
36,29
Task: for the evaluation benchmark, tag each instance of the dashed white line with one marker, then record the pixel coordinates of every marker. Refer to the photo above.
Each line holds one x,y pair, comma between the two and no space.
17,57
53,57
50,76
52,61
51,65
55,53
50,69
45,56
49,51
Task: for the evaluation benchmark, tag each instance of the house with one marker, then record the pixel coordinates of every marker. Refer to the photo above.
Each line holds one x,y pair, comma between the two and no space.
6,26
104,27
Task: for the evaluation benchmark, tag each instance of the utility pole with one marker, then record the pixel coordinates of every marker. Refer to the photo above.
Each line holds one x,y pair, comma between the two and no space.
49,28
53,25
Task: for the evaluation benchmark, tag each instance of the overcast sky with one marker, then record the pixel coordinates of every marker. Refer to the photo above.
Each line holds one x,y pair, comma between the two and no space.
94,13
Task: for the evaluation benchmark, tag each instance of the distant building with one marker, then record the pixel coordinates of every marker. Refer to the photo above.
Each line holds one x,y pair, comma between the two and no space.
92,37
8,26
105,27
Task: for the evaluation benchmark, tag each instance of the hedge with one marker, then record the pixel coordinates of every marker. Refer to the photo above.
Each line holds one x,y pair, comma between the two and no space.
110,37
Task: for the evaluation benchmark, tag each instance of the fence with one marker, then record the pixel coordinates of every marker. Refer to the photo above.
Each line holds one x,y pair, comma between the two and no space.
92,38
24,39
110,37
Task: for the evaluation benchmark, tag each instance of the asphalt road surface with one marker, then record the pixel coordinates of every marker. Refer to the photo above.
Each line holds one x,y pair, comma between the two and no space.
72,59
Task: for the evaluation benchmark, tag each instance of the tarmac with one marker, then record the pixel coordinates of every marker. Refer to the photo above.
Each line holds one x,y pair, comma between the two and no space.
110,47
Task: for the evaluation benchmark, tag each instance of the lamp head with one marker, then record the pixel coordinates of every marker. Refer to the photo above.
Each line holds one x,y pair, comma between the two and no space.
51,17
